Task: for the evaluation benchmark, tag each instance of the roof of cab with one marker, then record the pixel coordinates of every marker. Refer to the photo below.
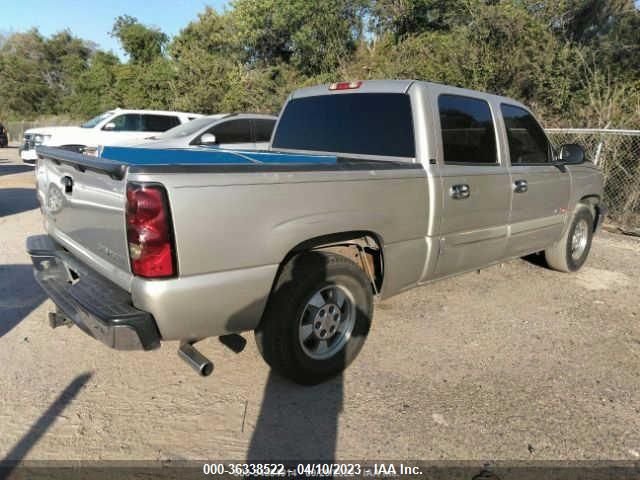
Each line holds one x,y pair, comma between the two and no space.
394,86
157,112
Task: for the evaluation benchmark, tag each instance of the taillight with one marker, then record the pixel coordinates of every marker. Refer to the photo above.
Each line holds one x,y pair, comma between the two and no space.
149,231
345,85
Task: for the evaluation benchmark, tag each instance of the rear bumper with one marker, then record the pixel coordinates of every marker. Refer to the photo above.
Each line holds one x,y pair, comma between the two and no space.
100,308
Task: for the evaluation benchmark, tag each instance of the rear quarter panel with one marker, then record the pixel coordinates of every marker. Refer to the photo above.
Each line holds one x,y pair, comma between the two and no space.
232,231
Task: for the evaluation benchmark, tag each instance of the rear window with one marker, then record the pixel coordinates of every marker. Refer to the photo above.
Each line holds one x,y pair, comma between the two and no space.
467,130
360,123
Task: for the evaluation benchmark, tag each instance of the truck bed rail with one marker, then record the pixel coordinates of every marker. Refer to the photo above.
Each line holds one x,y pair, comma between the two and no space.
82,162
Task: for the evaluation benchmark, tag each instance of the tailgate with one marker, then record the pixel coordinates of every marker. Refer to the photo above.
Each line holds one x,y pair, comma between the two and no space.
83,203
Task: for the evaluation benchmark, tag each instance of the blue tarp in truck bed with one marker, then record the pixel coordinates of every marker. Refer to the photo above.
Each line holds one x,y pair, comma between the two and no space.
208,156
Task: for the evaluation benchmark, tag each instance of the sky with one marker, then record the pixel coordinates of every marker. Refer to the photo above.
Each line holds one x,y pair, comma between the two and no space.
93,19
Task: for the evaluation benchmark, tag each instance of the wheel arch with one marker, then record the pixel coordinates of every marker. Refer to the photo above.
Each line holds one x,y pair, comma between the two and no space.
594,203
364,248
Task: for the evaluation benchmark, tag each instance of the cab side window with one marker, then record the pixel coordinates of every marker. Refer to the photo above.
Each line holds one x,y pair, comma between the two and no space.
527,142
468,134
233,131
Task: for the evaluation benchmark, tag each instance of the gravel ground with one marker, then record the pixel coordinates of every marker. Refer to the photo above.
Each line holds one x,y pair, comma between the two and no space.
516,362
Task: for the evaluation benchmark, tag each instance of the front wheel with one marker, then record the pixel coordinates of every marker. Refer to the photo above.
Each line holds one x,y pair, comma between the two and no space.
317,318
572,250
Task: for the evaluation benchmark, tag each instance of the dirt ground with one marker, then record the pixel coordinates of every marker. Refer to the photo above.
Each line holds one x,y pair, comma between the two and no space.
516,362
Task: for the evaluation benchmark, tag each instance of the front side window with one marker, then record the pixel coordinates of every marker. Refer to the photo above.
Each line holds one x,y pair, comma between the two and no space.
468,135
262,129
359,123
128,122
233,131
159,123
527,141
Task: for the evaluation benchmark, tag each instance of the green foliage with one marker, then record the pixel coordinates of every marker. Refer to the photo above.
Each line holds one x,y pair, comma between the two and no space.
314,37
576,62
408,17
143,44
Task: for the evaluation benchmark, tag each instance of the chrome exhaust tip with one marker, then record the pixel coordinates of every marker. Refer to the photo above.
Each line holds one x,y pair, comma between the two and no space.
195,359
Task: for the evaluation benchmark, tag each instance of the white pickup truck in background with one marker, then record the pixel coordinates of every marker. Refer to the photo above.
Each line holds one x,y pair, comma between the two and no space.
114,126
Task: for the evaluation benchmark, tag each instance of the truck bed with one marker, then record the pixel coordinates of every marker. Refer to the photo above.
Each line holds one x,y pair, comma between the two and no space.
235,216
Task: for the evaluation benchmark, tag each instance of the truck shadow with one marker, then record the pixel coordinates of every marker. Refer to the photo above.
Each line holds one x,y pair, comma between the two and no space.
12,169
17,200
296,422
38,429
19,295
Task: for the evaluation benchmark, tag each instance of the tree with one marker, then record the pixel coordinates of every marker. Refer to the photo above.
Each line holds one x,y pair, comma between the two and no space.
37,73
143,44
407,17
95,90
315,37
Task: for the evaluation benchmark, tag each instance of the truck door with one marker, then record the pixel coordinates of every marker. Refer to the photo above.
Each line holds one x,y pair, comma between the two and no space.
540,190
475,186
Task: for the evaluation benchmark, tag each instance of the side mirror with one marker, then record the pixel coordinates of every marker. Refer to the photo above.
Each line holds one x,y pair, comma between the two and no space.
208,139
571,153
109,126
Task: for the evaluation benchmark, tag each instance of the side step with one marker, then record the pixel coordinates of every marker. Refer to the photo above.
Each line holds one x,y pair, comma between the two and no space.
195,359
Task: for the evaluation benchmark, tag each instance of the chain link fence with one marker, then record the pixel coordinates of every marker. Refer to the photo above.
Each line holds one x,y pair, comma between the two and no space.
617,152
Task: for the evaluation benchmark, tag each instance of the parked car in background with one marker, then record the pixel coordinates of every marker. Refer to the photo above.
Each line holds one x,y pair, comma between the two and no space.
369,188
244,131
107,128
4,136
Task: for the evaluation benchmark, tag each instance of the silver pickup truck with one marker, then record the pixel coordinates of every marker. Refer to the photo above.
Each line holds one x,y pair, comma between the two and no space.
370,188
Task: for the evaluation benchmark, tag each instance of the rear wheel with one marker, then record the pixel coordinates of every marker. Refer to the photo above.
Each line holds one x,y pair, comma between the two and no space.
572,250
317,318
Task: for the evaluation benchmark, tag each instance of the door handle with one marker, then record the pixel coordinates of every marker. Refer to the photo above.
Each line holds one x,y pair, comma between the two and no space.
460,191
67,182
520,186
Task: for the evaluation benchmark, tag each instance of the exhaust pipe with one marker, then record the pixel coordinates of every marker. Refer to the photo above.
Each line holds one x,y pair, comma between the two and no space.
195,359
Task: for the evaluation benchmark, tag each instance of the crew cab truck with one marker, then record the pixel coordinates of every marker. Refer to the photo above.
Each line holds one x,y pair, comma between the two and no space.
370,188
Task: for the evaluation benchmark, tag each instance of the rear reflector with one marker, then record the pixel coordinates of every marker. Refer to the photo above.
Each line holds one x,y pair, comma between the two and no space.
345,85
149,232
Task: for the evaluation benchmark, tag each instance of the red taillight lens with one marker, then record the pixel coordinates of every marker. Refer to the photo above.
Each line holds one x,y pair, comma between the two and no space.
149,231
345,85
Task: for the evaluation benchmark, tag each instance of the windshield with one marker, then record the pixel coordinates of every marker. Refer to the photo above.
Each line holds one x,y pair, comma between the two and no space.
189,128
96,120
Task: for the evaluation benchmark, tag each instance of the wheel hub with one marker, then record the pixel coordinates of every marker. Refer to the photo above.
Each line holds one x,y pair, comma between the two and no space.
579,239
326,321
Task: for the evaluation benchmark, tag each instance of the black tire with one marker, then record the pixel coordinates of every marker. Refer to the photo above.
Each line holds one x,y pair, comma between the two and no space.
559,256
302,278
